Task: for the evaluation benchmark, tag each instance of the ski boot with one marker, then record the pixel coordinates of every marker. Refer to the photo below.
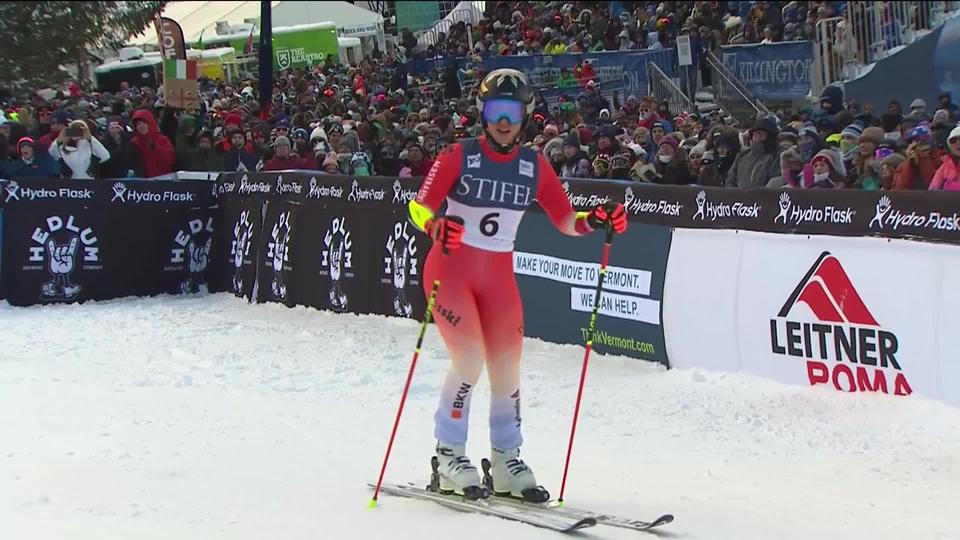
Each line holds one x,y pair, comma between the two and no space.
454,474
506,475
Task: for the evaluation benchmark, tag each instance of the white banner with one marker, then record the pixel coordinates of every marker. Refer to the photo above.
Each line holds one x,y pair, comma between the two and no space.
852,314
616,305
626,280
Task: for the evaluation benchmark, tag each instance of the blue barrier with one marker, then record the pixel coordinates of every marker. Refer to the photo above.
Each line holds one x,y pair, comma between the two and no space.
616,70
775,71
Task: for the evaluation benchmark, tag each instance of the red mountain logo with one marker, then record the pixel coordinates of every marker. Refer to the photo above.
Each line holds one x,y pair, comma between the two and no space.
848,348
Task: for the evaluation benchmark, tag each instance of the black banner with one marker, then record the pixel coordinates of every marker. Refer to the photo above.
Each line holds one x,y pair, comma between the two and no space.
895,214
71,241
332,242
558,276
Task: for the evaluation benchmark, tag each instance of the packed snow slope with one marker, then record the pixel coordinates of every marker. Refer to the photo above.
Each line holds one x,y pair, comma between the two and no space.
207,418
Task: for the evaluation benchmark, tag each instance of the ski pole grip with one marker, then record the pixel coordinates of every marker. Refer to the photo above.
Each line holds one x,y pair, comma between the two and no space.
443,241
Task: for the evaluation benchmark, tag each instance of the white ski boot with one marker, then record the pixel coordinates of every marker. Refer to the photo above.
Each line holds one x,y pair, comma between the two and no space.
506,475
453,473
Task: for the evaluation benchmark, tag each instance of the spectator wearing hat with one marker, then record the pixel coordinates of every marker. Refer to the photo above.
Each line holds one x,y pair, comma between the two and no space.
283,156
888,168
155,149
791,170
947,177
58,122
125,159
922,161
206,157
947,104
576,163
849,140
30,163
918,110
417,163
865,172
185,145
238,158
671,163
760,163
825,171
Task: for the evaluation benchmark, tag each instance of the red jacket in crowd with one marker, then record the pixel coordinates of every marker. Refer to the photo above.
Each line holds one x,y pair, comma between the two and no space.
155,148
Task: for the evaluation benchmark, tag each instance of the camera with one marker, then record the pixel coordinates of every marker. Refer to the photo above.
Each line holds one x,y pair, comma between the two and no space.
74,132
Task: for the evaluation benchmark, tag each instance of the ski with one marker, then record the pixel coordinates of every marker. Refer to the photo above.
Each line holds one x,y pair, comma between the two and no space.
601,518
494,507
554,507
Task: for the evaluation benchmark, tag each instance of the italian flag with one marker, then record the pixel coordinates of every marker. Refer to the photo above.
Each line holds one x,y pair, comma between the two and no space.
180,69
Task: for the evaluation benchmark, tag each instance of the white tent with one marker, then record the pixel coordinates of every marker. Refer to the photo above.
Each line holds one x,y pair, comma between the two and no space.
466,12
352,21
202,17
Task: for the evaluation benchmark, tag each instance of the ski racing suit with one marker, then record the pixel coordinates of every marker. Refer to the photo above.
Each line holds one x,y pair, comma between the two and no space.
478,309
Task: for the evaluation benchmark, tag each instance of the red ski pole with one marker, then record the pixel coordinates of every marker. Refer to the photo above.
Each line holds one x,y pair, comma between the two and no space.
406,388
413,364
586,354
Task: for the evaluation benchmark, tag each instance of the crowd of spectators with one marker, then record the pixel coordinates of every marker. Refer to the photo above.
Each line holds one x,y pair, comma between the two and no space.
375,118
524,28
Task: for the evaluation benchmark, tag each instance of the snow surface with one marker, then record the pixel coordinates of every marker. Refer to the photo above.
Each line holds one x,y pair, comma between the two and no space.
207,418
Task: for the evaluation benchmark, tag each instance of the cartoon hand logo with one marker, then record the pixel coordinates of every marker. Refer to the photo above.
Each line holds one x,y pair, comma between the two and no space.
279,251
62,257
118,191
628,196
199,256
400,257
883,206
784,202
12,188
241,245
336,256
701,198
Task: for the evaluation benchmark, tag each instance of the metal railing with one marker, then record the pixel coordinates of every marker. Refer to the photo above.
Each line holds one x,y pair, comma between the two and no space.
663,88
462,13
732,96
868,32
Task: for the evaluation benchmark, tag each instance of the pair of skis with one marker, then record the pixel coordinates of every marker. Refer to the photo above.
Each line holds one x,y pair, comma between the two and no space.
547,515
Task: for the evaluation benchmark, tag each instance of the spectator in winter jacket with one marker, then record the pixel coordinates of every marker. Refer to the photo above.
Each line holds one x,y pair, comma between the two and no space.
30,163
947,177
922,161
124,157
576,164
206,157
671,163
826,171
283,159
865,163
58,122
756,166
185,147
946,102
791,170
417,164
238,158
78,152
155,149
888,167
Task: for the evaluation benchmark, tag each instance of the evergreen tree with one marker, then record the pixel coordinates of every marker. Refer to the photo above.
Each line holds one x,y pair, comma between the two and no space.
40,37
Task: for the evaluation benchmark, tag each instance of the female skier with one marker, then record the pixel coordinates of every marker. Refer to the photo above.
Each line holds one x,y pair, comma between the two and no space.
487,184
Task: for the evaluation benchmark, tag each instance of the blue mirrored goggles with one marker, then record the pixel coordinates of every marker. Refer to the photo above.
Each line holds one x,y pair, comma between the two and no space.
495,109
